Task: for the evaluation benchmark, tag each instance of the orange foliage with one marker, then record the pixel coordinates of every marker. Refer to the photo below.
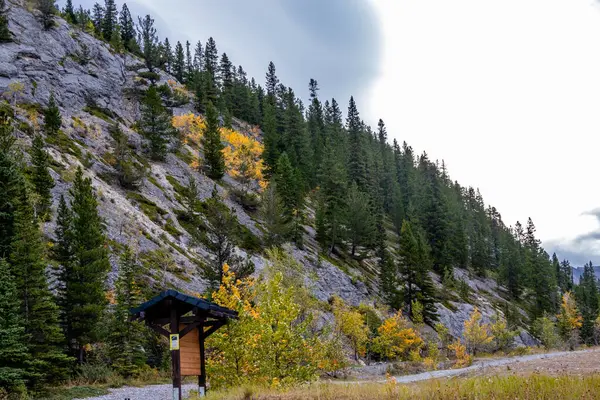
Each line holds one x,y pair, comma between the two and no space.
396,339
190,127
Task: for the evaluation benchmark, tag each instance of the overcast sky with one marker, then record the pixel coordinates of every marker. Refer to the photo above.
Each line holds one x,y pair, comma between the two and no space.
506,92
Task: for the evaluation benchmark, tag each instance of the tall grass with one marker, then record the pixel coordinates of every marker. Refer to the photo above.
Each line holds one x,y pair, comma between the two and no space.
498,388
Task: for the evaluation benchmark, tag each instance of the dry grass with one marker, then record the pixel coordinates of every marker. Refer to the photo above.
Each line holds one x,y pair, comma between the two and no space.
497,388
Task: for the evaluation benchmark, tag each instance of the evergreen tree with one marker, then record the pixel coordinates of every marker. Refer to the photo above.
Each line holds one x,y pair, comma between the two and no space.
272,82
189,64
565,276
356,166
38,308
331,208
110,20
40,177
69,12
271,138
82,294
14,354
316,125
10,181
289,187
211,60
155,123
149,42
272,213
179,62
226,72
5,35
167,56
98,19
127,29
52,117
586,295
64,248
414,267
126,337
359,219
198,57
212,145
47,8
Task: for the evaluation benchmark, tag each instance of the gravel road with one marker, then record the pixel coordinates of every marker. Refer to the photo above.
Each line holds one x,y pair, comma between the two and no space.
152,392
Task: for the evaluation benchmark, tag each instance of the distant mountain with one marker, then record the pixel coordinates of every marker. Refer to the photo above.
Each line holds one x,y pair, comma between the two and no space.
577,272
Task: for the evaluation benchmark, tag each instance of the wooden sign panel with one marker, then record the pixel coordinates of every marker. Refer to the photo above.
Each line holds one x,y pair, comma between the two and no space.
190,353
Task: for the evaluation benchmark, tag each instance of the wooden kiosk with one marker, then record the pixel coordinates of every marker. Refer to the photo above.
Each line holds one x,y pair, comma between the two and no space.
187,321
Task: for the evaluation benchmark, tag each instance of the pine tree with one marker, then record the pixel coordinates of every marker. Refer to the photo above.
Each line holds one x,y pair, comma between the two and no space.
82,295
126,337
98,19
155,123
69,12
5,35
272,213
52,117
226,73
288,184
211,60
586,295
47,8
331,209
272,82
198,57
179,62
271,138
64,248
14,354
356,166
127,29
40,177
316,126
110,20
38,307
189,64
10,181
414,266
149,42
212,145
359,219
565,276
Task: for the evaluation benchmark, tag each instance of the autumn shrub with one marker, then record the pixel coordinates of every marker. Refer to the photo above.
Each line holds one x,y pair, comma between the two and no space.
351,324
477,335
463,358
396,340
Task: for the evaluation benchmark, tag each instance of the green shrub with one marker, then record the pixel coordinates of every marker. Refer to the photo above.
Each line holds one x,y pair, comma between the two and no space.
151,76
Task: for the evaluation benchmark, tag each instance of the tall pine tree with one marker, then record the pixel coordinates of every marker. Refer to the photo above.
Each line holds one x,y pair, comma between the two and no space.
40,177
212,145
155,123
52,117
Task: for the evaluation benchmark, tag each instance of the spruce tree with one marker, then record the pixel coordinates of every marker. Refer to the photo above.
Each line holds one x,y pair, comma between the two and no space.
198,57
10,181
272,213
52,117
316,127
289,186
271,138
272,82
211,60
226,74
359,219
155,123
38,308
149,42
98,19
40,177
126,337
14,354
110,20
332,207
5,35
414,268
82,296
69,12
356,166
179,62
167,56
127,29
586,295
189,64
212,146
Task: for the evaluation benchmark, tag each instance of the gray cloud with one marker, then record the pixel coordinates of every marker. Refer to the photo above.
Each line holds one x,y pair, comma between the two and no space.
336,42
581,249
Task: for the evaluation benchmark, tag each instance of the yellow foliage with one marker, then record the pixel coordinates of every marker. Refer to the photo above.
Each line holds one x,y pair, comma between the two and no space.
190,127
351,323
396,339
243,156
569,318
463,359
476,334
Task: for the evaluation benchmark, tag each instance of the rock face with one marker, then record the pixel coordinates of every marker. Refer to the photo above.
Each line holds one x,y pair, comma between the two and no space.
96,88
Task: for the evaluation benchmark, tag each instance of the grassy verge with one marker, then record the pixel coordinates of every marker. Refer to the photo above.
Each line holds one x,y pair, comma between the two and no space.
498,388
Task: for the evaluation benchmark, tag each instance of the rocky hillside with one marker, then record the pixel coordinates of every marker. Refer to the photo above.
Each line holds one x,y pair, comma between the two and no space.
95,88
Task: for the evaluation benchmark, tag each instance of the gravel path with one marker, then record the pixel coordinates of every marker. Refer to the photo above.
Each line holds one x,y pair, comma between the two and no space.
153,392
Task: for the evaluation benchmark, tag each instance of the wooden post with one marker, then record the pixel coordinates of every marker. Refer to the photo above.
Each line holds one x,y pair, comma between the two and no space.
202,377
175,355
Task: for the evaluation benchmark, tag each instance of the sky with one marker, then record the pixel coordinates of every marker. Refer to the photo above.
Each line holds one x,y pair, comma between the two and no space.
506,92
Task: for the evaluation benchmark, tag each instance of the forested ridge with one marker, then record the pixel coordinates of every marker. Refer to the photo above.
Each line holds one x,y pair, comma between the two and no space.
304,166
